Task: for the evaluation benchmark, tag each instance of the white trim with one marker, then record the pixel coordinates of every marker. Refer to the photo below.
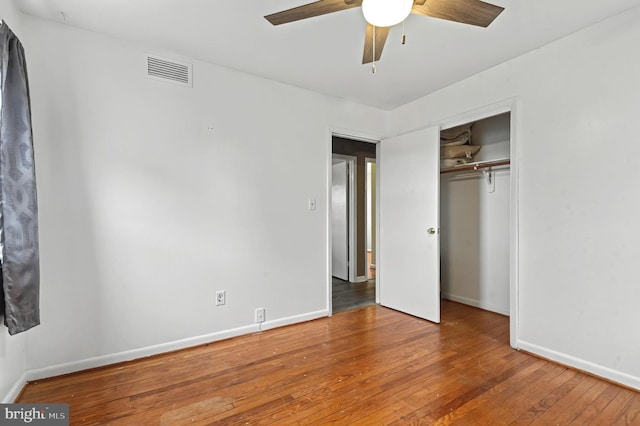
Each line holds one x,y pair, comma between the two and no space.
15,390
361,279
514,231
581,364
367,161
352,134
104,360
478,114
352,190
309,316
500,107
327,223
474,302
377,207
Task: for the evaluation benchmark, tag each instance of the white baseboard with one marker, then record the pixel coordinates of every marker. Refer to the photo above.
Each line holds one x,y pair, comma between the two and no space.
581,364
15,390
104,360
100,361
267,325
361,279
476,303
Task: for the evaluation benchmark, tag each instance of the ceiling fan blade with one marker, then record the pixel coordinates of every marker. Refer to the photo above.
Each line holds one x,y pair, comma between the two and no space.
381,38
310,10
472,12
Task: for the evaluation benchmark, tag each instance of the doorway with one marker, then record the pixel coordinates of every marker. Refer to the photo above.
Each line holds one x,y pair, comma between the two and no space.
353,236
474,213
498,178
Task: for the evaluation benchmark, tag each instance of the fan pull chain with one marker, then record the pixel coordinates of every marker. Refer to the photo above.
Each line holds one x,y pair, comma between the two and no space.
373,63
404,37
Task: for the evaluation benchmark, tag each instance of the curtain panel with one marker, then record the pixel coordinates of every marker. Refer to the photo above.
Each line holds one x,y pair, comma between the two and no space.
18,201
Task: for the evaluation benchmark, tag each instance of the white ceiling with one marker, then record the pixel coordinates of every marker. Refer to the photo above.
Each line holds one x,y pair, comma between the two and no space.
324,54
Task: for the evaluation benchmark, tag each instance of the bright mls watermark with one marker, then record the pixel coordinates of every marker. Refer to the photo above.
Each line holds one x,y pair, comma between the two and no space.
34,414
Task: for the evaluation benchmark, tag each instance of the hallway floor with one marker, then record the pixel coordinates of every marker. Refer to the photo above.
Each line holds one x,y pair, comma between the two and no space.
348,296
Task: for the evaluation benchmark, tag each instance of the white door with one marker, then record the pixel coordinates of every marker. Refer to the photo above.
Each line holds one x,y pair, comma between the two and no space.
339,222
409,269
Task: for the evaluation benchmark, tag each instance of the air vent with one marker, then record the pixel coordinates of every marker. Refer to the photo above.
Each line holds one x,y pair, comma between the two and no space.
169,70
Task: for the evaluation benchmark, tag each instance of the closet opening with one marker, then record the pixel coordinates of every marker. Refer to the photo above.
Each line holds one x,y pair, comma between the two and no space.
475,203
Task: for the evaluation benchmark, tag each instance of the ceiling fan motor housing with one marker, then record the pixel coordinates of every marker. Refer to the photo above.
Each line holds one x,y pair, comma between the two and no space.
386,13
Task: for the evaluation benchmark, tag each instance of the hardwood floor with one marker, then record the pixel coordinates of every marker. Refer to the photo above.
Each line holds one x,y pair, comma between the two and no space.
366,366
346,295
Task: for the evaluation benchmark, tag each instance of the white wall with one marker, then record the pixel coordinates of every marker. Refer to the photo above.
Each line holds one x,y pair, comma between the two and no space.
474,240
12,348
144,215
577,109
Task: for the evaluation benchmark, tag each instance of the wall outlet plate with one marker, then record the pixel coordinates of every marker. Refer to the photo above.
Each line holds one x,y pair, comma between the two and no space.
260,313
221,298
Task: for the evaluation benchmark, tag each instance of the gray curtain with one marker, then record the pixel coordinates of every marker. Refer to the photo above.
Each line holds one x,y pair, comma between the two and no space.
18,203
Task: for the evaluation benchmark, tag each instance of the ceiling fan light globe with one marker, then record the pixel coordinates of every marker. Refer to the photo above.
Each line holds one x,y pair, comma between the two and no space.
386,13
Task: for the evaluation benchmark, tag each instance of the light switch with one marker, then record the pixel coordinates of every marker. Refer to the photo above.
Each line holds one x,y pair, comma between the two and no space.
312,203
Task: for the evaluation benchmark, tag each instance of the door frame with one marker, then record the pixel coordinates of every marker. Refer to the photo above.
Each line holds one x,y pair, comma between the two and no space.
352,165
367,227
355,135
509,105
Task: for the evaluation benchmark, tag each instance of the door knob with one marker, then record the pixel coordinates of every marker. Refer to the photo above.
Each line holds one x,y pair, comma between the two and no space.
432,231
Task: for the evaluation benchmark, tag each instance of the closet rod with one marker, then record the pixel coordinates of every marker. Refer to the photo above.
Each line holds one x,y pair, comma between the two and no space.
476,166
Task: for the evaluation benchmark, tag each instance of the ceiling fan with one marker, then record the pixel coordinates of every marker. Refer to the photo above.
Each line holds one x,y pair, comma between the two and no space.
379,20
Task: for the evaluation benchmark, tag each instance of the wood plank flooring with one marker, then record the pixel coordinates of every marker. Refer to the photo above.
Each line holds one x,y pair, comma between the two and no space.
368,366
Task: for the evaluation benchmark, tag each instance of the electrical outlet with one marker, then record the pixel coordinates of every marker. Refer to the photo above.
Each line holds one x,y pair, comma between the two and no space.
259,315
221,298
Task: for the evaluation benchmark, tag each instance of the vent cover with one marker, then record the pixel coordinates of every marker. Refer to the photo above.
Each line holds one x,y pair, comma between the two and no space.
169,70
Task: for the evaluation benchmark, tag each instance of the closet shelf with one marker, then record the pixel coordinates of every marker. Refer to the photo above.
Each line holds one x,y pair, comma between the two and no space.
477,166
